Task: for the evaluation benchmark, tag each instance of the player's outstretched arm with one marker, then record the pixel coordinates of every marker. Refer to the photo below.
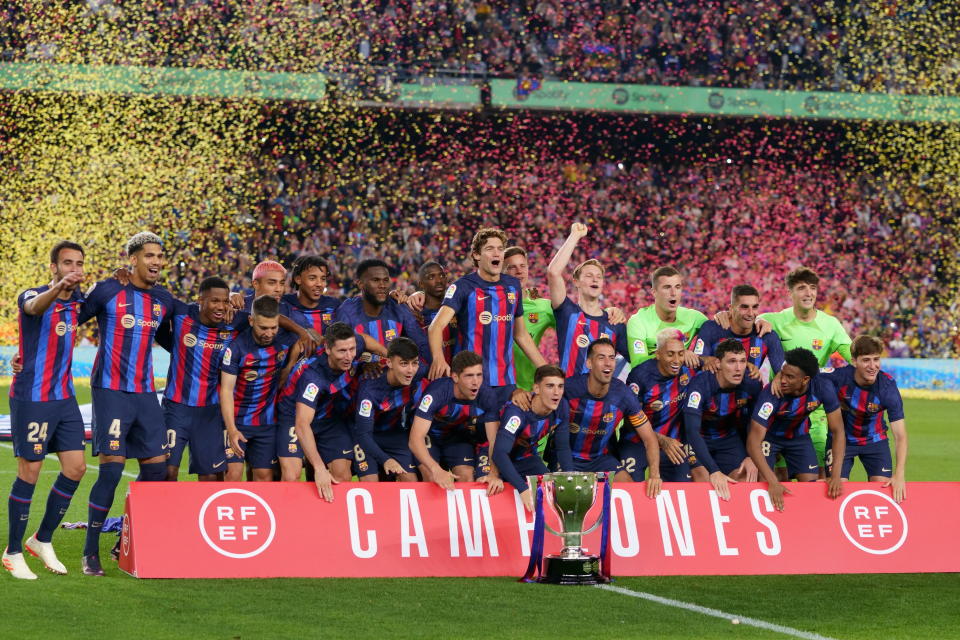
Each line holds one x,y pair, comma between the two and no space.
555,279
228,381
39,303
755,450
835,425
418,446
322,476
899,479
439,367
645,431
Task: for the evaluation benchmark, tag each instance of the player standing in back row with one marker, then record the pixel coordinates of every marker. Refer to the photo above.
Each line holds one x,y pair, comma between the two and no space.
44,413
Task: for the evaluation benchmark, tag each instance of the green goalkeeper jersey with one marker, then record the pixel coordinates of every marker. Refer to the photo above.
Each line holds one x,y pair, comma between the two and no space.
823,335
538,316
643,326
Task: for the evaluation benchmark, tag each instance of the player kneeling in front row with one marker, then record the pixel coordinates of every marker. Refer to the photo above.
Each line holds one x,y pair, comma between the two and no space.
865,392
383,404
598,403
782,425
451,420
314,409
515,448
717,414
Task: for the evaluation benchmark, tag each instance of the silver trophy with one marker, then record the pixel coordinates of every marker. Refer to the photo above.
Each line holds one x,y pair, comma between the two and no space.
571,495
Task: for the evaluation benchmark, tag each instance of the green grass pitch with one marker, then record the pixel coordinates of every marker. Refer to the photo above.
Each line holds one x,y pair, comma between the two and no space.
841,606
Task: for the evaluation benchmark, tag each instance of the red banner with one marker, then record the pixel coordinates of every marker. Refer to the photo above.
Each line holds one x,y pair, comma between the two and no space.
213,530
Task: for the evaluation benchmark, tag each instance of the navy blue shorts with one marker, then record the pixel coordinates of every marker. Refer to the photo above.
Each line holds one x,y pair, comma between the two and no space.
798,452
482,467
603,462
531,466
202,429
394,443
128,424
333,440
633,457
452,452
260,449
875,458
40,428
288,442
727,452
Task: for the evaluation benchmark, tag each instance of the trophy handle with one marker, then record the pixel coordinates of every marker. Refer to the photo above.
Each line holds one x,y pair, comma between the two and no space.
600,515
533,482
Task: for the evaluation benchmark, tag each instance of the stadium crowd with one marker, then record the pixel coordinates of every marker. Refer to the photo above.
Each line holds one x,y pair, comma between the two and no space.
854,230
765,44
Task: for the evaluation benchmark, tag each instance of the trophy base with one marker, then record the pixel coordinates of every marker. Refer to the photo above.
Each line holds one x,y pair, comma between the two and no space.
584,570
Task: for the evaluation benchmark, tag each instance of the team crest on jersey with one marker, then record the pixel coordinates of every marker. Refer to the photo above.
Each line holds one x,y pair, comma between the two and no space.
533,318
310,393
872,407
226,356
639,347
684,379
694,402
291,448
225,335
512,424
190,340
583,341
157,309
363,466
754,352
608,417
656,405
812,405
38,448
114,445
741,402
366,408
635,388
281,355
765,410
389,335
426,402
326,318
511,297
451,290
817,344
250,375
574,427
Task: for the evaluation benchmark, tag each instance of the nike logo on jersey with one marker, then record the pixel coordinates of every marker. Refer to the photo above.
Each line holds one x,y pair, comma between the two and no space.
347,452
219,464
124,304
480,297
885,470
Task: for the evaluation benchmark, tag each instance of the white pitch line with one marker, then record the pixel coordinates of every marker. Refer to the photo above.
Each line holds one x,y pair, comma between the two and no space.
716,613
90,465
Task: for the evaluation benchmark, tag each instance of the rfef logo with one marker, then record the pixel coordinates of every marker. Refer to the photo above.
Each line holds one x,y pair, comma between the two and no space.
237,523
873,522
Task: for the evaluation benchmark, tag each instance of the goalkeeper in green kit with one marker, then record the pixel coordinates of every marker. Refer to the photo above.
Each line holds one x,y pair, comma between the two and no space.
803,325
664,313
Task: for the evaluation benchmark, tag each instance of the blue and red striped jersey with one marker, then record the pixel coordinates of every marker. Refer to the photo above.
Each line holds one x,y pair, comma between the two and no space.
451,417
46,348
520,435
195,352
128,319
758,349
449,331
719,413
593,421
862,407
313,383
257,369
394,320
576,330
317,318
789,416
486,312
661,397
382,407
